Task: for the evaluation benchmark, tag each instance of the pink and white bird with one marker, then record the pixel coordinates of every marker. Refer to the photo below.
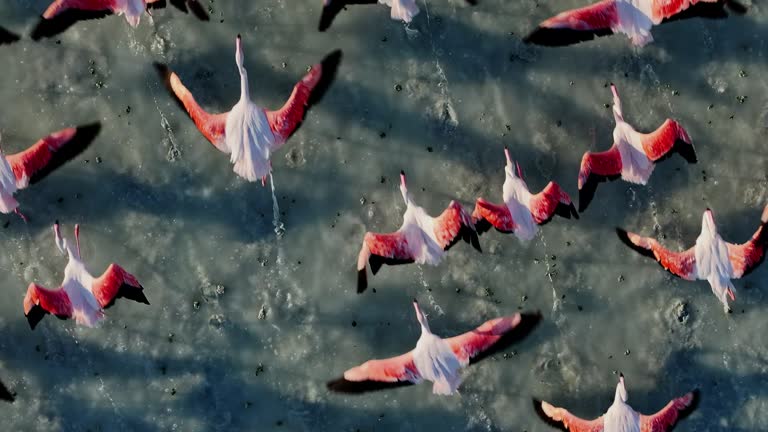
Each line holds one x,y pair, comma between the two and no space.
634,18
620,417
80,296
19,170
711,258
522,212
249,133
436,359
633,155
422,239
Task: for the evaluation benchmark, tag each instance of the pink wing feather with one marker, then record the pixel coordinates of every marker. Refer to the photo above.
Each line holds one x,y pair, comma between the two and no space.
470,344
448,226
658,143
55,302
497,215
663,420
662,9
115,283
544,204
32,160
607,163
746,256
60,6
569,421
681,264
212,126
601,15
285,120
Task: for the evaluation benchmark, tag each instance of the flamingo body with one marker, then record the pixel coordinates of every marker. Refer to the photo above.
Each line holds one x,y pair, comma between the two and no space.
711,258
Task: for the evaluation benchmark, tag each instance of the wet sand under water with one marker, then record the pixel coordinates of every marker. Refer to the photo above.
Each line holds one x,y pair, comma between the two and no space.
246,326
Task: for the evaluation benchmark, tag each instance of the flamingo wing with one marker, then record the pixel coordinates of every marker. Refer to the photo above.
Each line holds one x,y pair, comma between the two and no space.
561,418
669,138
59,6
379,249
597,168
550,201
488,215
49,153
746,256
5,394
576,25
7,37
454,224
62,14
306,93
666,418
492,336
378,375
212,126
40,301
680,264
117,283
665,9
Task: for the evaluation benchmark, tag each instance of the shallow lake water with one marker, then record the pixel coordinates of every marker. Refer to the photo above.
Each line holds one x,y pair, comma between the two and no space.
246,325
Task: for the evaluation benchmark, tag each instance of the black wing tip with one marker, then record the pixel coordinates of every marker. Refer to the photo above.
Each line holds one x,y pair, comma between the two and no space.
135,293
685,150
6,394
35,315
330,67
696,393
736,7
8,37
362,280
558,37
342,385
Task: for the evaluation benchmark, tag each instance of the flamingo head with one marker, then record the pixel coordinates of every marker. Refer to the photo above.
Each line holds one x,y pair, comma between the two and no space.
421,316
621,390
404,187
239,57
708,223
61,242
512,168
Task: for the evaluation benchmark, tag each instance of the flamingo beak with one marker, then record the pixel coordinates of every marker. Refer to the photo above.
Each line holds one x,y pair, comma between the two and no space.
239,52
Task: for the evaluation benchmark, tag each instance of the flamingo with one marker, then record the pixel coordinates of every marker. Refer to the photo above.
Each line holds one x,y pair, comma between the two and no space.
400,10
7,37
436,359
522,211
19,170
711,258
80,296
620,417
5,394
633,155
249,133
634,18
421,238
61,14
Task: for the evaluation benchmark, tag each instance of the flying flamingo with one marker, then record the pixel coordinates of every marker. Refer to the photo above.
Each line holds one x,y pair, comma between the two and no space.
61,14
80,296
400,10
620,416
249,133
421,238
19,170
436,359
633,154
7,37
711,258
5,394
522,211
633,18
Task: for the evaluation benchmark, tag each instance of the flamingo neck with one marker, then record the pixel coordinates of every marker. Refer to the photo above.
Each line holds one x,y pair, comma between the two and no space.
245,94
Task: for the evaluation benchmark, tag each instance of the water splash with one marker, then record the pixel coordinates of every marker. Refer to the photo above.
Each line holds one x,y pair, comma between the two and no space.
432,302
279,228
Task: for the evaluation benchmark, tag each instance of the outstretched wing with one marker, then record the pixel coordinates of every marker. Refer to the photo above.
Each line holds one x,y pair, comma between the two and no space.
62,14
576,25
675,410
663,9
746,256
40,301
487,214
562,419
117,283
680,264
378,375
379,249
597,168
51,152
492,336
669,138
455,224
550,201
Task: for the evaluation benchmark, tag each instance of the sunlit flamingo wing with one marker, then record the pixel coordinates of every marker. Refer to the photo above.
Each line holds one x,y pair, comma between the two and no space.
550,201
492,336
49,153
577,25
746,256
117,283
669,138
40,301
487,214
377,375
682,264
379,249
454,224
597,168
561,418
666,418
